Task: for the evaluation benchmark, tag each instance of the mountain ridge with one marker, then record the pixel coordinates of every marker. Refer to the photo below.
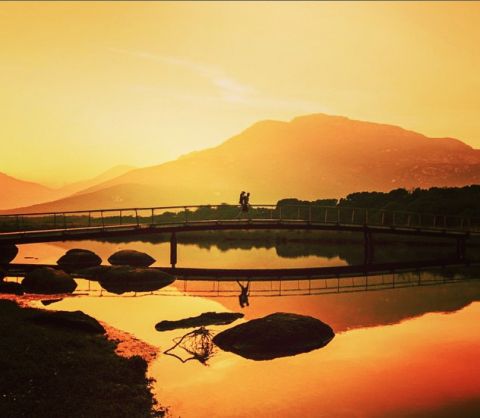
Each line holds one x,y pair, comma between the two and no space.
311,156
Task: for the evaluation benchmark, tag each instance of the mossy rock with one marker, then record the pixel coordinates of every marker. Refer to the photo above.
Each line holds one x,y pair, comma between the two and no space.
7,253
276,335
93,273
131,258
76,320
78,258
46,280
121,279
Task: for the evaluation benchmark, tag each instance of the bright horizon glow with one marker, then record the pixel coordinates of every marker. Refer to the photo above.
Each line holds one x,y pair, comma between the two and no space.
87,86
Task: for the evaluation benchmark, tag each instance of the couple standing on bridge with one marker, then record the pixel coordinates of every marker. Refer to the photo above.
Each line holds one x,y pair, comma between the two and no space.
244,201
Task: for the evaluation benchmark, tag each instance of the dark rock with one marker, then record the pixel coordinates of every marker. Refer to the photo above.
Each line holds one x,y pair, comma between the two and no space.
46,302
7,253
3,273
11,287
275,335
73,320
48,280
131,258
205,319
121,279
93,273
78,259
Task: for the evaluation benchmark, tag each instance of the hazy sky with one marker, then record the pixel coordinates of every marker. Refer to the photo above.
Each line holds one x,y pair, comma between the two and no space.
85,86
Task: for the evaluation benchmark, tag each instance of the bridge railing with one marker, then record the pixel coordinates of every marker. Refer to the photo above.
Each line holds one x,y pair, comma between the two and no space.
118,218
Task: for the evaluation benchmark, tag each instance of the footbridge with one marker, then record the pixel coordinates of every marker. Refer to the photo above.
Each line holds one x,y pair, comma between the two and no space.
23,228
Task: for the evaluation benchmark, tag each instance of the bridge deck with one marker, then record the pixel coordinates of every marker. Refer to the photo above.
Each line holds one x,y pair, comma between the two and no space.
205,274
78,233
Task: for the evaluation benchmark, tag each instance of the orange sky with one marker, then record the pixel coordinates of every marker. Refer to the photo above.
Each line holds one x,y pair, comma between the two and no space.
85,86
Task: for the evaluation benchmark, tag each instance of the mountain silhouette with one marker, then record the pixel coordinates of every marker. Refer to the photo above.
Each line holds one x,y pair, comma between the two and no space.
310,157
17,192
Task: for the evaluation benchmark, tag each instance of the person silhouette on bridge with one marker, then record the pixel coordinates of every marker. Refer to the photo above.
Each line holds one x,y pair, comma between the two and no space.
242,198
245,203
244,293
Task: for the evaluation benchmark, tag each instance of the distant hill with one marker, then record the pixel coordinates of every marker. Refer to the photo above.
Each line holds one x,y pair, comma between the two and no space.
310,157
15,192
80,186
18,193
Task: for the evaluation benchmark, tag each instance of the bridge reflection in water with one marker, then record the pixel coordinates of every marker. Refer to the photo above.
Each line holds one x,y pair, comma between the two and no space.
304,286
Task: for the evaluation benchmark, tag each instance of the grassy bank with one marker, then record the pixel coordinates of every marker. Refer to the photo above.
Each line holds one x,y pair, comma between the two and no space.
51,371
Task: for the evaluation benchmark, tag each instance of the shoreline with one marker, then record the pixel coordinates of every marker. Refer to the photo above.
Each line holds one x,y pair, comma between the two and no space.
57,371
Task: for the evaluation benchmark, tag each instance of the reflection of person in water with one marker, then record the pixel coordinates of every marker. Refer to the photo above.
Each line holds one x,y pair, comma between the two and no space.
244,293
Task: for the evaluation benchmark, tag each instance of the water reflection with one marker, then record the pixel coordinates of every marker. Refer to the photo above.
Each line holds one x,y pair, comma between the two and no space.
197,343
395,354
371,366
247,250
244,294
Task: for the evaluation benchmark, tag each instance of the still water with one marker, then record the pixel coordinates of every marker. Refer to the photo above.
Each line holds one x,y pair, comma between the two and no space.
408,351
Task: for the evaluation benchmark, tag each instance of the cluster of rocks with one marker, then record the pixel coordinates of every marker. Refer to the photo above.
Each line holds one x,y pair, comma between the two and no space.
128,272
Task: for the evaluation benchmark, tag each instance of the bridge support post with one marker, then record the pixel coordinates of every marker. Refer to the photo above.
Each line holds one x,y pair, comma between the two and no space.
173,249
368,246
461,247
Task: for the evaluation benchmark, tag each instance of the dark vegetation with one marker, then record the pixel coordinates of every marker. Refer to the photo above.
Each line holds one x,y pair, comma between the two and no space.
455,201
56,371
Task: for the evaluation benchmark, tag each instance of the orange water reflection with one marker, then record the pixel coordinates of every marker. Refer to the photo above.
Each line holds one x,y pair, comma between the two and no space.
188,255
396,352
416,366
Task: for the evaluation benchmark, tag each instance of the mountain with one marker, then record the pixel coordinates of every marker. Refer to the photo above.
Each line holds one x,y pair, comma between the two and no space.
17,192
310,157
80,186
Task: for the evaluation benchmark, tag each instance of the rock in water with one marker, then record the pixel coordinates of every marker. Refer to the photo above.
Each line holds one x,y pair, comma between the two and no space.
7,253
131,258
121,279
73,320
275,335
93,273
48,280
78,258
205,319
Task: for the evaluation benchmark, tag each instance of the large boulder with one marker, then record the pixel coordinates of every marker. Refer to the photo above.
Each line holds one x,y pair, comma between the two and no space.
46,280
77,320
275,335
121,279
131,258
93,273
205,319
7,253
78,258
